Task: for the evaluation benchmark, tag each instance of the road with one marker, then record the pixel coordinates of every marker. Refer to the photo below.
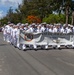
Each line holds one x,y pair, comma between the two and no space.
42,62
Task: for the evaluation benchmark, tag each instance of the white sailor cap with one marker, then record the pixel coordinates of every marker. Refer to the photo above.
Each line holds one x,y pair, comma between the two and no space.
70,25
33,24
22,24
44,23
8,22
14,26
18,24
39,25
26,24
47,24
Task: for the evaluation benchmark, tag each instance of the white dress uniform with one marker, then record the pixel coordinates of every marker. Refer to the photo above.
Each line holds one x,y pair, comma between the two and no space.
8,32
69,30
55,30
17,38
14,36
18,44
73,29
11,29
4,33
29,30
42,29
39,29
62,30
50,30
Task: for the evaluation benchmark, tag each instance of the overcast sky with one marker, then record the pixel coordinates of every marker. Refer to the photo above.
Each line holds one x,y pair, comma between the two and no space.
5,4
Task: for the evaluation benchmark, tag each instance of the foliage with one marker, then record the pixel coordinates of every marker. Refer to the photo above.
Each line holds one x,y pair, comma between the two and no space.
33,19
3,21
53,18
41,10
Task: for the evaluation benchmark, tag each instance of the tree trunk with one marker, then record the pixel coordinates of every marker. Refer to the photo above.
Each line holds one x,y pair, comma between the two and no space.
73,18
67,14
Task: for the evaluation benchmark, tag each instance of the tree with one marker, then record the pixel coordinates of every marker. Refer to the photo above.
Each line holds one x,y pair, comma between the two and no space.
33,19
3,21
72,12
65,6
55,18
9,14
40,8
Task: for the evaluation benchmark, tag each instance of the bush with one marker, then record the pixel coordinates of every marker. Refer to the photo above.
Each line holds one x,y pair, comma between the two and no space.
33,19
53,18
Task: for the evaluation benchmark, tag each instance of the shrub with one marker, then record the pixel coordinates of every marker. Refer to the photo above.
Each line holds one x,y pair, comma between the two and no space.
53,18
33,19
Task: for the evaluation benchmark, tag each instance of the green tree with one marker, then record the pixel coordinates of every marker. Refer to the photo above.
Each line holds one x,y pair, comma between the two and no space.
53,18
40,8
9,14
3,21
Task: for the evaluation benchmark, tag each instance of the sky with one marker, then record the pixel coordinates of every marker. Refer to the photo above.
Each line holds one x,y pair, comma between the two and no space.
6,4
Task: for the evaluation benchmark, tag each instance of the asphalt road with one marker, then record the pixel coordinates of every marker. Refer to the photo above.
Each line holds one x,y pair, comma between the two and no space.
42,62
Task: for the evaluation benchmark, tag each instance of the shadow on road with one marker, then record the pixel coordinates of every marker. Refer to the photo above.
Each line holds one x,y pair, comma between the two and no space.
4,44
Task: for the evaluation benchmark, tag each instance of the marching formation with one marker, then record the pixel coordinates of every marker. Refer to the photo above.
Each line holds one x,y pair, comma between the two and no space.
11,31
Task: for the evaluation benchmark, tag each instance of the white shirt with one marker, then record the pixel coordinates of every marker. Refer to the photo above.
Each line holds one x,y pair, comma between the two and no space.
42,29
54,30
30,30
14,32
73,28
17,33
39,30
69,30
8,29
62,30
4,30
50,30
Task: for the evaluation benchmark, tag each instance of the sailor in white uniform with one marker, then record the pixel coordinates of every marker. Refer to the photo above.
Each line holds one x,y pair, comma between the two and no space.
55,29
8,32
39,29
51,29
69,30
23,45
14,35
4,33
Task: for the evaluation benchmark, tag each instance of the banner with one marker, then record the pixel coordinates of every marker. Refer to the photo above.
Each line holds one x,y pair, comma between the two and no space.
46,38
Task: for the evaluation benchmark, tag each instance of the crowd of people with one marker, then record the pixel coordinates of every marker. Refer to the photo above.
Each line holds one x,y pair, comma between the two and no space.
11,31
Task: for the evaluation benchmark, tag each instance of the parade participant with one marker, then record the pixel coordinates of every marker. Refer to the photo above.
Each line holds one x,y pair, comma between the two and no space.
39,29
4,33
21,46
47,28
17,36
55,29
33,29
51,28
43,26
26,26
11,29
8,32
14,35
73,28
62,29
69,30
